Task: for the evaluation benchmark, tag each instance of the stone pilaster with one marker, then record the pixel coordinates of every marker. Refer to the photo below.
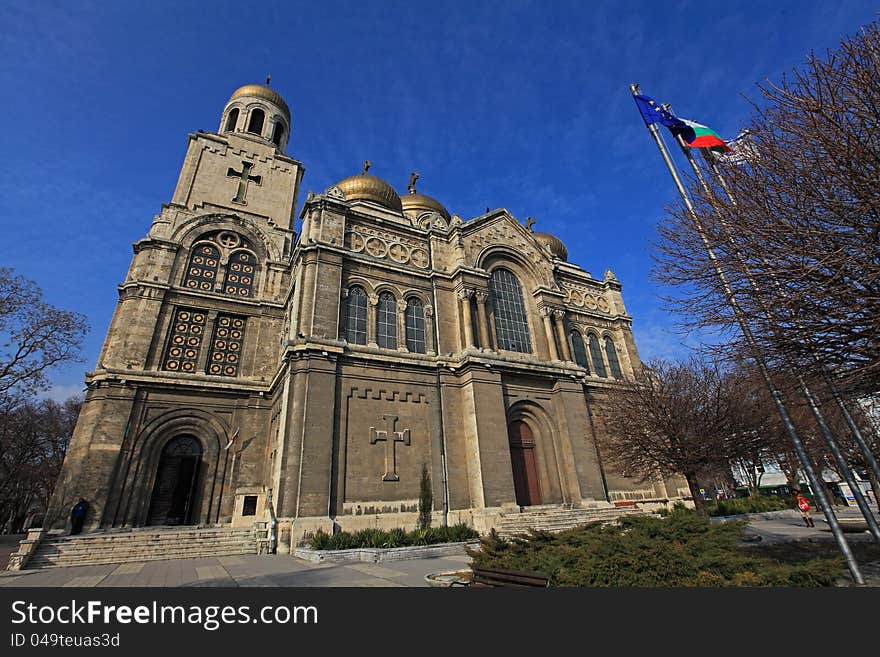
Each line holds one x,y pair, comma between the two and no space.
546,312
481,296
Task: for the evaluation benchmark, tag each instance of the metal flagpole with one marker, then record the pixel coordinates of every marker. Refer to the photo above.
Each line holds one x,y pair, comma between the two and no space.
829,381
802,384
762,366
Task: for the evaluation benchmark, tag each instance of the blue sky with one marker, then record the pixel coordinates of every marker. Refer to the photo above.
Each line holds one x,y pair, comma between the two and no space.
522,105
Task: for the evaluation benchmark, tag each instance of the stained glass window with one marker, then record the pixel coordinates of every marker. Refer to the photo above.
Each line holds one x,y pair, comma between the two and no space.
202,271
613,363
386,321
511,324
227,345
185,342
579,350
596,356
415,326
240,275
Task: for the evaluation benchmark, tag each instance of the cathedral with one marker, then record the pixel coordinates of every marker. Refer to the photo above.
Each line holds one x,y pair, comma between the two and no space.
252,370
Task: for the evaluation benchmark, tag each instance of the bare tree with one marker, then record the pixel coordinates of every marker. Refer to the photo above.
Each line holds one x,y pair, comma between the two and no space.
33,440
796,228
680,418
34,336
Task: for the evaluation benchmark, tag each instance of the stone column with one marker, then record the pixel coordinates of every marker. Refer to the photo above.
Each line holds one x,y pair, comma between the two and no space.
559,316
482,296
548,329
343,314
465,295
372,302
429,330
401,326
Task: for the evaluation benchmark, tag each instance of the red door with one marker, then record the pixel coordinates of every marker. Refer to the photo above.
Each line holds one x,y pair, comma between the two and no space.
525,466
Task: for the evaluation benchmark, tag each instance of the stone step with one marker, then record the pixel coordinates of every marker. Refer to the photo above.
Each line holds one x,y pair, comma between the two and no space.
557,519
148,544
38,562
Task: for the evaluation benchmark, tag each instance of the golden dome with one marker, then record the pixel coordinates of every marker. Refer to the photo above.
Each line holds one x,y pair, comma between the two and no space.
370,188
553,244
415,202
261,91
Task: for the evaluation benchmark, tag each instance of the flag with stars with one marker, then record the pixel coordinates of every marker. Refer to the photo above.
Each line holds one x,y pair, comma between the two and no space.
652,112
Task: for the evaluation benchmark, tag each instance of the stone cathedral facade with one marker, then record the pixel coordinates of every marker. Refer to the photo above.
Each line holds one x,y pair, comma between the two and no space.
250,368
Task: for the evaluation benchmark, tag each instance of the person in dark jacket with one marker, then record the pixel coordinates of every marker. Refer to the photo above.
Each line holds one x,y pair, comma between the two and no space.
78,515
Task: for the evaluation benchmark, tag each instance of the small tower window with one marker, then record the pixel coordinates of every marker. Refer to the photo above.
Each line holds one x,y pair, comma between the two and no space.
240,275
278,134
258,117
202,271
232,120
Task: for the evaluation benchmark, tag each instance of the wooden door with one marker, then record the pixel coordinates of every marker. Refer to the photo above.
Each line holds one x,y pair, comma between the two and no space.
524,463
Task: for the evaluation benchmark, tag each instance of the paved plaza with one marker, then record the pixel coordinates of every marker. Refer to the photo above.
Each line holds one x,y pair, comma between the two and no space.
286,570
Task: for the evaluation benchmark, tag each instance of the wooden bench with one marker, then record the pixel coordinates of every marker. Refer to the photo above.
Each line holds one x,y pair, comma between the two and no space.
497,577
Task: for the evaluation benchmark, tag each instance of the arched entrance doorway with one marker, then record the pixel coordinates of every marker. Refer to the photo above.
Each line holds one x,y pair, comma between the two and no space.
172,502
525,467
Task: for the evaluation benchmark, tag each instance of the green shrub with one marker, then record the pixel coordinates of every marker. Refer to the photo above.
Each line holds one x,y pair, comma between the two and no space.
379,538
755,504
683,549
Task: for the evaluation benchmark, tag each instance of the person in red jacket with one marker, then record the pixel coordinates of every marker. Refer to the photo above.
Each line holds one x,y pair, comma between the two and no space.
805,509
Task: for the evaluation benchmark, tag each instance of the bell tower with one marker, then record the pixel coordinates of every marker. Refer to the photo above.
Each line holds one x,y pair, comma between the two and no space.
192,349
243,167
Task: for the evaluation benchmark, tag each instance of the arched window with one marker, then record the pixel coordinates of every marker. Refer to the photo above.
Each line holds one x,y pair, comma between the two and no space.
613,363
278,134
511,324
386,321
596,356
232,120
415,326
202,271
240,275
255,126
579,350
356,316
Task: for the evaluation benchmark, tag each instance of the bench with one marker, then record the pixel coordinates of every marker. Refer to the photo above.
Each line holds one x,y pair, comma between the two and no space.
497,577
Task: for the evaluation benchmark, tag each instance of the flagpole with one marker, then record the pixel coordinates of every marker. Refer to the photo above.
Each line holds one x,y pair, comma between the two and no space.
762,366
802,384
829,381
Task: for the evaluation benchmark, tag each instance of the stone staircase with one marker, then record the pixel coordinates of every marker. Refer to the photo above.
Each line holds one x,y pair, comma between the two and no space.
556,518
141,544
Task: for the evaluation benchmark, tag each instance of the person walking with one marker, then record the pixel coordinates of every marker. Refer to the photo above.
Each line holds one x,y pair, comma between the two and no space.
78,515
804,507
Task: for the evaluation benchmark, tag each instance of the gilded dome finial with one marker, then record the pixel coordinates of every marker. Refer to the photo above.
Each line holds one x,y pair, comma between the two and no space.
530,221
367,165
268,79
412,182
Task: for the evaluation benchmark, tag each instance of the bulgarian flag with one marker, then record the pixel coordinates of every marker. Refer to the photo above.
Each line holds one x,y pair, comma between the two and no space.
697,135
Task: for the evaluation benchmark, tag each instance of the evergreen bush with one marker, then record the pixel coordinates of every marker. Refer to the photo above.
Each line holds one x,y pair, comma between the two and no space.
684,549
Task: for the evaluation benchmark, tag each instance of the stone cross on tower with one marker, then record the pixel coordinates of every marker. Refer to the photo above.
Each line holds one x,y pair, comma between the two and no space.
390,441
244,178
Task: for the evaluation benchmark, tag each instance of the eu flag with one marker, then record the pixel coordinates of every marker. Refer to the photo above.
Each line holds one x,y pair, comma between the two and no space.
652,113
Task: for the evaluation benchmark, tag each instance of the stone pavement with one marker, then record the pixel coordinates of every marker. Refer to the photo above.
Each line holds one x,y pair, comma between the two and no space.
239,570
286,570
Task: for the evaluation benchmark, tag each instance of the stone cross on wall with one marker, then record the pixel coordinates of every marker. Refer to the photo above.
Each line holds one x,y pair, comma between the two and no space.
391,437
244,177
